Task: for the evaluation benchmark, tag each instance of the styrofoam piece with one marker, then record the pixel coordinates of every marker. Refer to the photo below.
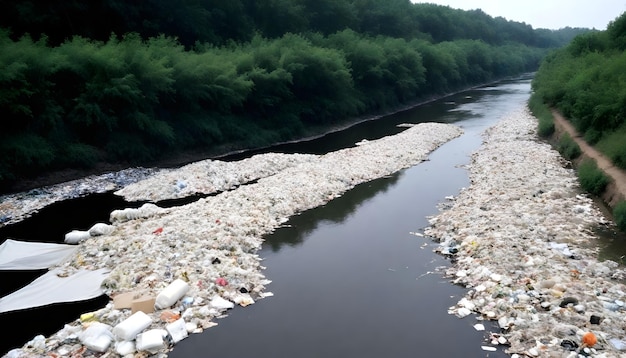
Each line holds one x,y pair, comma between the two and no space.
170,294
145,211
97,337
177,330
152,340
129,328
100,229
76,236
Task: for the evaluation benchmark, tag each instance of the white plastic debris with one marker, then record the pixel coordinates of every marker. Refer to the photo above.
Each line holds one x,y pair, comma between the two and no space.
129,328
221,303
145,211
170,294
152,340
524,202
97,337
76,236
619,344
177,330
100,229
125,347
463,312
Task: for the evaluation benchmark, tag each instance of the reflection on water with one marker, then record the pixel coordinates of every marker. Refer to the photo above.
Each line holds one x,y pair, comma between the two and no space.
300,226
349,279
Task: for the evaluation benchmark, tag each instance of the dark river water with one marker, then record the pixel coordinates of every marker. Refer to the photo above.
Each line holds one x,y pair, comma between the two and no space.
349,278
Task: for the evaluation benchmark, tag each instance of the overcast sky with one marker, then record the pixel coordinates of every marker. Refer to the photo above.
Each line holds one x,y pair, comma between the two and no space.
548,14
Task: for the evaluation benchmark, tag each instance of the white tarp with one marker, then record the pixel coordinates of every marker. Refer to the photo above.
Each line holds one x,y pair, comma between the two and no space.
51,288
23,255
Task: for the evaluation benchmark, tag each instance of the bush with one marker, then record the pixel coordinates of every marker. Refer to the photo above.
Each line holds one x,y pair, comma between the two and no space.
619,215
592,136
591,178
541,111
568,147
79,155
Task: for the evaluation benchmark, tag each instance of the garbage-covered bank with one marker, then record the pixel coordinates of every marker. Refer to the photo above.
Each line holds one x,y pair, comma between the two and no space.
171,272
520,239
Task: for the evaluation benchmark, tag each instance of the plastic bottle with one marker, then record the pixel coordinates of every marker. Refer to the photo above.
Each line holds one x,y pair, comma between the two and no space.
129,328
170,294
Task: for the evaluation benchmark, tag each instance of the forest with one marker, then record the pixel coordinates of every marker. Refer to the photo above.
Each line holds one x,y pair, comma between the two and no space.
586,82
108,81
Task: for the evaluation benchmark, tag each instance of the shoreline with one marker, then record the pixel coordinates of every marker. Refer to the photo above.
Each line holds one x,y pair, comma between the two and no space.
58,178
520,240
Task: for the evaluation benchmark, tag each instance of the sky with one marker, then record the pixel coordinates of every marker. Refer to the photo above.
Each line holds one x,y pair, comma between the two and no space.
547,14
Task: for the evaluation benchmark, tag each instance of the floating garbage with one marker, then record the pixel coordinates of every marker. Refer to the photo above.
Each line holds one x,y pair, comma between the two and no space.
177,330
97,337
221,303
618,344
152,340
170,294
522,230
145,211
76,236
100,229
589,340
124,348
211,244
129,328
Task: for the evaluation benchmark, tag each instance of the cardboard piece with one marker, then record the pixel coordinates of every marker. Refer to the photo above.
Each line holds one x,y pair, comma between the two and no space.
135,301
123,300
144,304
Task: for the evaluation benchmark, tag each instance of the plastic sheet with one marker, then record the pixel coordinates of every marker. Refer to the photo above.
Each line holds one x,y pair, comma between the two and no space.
23,255
52,287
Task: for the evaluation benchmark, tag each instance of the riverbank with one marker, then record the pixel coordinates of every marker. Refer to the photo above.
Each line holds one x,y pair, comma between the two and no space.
521,240
211,244
615,191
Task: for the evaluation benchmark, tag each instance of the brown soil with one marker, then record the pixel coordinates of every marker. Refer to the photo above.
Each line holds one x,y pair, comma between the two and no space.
616,190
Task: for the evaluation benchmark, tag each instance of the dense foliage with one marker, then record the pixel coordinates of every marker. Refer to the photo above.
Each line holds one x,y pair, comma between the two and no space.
586,81
84,82
591,178
568,148
541,111
221,22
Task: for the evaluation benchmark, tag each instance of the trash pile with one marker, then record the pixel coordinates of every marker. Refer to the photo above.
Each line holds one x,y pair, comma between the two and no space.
173,271
519,238
19,206
210,176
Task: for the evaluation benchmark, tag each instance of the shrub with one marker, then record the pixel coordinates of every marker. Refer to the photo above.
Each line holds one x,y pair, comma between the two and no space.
568,147
619,215
79,155
541,111
591,178
592,136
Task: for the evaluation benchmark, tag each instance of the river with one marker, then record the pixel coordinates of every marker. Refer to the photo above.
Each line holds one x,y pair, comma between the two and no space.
349,278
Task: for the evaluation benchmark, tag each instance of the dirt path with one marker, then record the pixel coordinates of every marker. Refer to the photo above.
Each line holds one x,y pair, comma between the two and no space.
616,190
